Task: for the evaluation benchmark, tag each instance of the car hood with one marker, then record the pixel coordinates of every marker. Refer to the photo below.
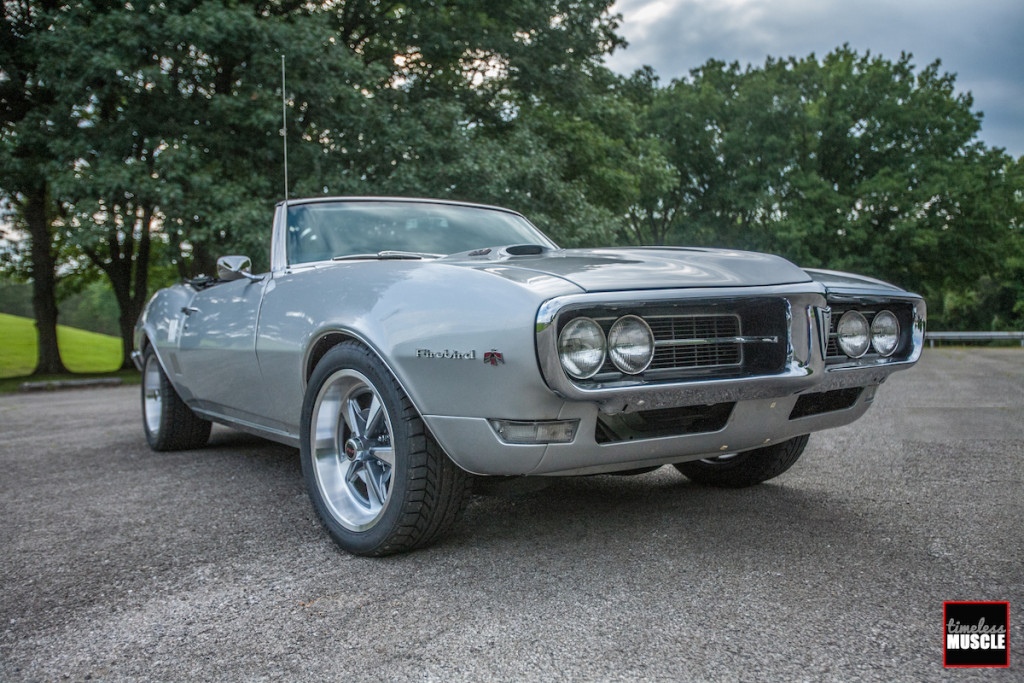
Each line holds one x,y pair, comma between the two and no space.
607,270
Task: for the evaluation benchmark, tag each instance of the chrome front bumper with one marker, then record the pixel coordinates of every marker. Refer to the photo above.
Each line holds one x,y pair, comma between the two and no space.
805,368
474,446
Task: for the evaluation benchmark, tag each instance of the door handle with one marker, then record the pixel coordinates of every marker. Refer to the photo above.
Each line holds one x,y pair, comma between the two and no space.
189,310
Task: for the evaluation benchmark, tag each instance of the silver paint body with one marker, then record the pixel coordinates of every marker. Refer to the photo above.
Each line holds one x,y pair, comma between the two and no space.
240,352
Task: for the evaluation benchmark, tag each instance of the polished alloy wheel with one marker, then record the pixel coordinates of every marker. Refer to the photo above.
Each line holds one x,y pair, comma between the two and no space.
376,478
152,399
353,455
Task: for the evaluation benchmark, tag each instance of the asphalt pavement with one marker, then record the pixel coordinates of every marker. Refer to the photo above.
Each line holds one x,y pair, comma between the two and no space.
118,563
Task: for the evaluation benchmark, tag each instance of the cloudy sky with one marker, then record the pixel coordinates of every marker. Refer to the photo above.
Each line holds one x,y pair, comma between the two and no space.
980,41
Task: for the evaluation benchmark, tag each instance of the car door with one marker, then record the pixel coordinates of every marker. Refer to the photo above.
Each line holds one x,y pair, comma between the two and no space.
217,349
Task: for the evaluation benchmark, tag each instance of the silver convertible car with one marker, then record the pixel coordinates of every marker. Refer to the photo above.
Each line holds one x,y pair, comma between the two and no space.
405,345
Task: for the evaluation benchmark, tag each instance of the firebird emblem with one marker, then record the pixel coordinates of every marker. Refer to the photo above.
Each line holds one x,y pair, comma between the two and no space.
494,357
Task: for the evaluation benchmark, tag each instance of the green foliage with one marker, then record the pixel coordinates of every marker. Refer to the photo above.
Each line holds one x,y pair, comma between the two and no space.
177,111
86,303
93,308
83,352
149,136
15,298
154,128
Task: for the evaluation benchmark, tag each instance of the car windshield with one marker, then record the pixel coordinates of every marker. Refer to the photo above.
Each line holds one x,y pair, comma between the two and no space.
332,230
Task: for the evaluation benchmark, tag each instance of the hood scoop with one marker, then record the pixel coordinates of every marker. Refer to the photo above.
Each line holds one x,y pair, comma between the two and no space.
525,250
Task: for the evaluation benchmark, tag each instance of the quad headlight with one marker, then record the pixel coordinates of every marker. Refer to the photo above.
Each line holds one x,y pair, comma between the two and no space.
885,333
856,337
581,348
853,334
631,344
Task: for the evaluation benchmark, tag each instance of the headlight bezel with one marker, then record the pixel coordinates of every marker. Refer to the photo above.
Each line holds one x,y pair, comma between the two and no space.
896,334
568,334
853,317
622,364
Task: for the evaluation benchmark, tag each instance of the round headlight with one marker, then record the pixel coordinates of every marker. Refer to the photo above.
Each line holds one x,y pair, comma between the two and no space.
853,334
885,333
581,348
631,344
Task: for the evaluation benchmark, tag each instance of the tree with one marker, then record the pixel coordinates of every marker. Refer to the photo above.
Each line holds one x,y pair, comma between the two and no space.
29,126
851,162
162,119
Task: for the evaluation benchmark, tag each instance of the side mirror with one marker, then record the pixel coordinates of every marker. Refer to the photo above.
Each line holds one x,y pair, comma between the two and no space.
235,268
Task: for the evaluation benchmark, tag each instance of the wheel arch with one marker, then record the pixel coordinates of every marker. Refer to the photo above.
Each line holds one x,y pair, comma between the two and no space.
319,348
145,344
327,339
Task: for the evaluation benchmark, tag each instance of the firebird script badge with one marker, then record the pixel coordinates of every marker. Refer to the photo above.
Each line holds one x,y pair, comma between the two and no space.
447,354
494,357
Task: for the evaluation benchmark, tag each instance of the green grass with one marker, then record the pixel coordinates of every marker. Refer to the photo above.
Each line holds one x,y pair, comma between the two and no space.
82,352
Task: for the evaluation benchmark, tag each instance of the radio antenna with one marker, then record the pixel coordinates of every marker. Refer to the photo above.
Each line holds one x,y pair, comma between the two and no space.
284,131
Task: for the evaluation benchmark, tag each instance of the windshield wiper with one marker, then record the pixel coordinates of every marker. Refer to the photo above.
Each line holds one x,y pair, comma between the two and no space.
388,255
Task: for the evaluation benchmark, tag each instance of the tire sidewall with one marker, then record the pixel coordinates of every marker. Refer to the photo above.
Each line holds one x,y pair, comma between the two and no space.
748,468
155,439
352,357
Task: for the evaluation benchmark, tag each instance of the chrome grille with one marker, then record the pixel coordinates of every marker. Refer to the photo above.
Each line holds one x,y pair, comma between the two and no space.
690,342
696,341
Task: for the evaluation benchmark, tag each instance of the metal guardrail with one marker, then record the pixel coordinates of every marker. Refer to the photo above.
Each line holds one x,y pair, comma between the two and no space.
933,337
71,384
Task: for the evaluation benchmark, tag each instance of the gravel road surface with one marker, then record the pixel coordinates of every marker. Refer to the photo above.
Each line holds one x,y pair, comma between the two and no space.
120,563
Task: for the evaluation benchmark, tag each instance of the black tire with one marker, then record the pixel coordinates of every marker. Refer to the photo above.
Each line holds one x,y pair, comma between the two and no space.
170,425
378,481
745,469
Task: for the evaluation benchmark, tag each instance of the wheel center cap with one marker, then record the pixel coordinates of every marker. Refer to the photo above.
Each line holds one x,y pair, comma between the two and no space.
352,448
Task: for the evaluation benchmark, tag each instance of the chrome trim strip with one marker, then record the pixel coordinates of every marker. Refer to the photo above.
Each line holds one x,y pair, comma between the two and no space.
823,317
859,298
278,435
717,340
920,322
790,350
550,308
278,254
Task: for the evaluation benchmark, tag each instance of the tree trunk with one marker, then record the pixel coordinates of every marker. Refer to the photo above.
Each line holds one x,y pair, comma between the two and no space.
127,326
128,272
140,294
44,282
121,284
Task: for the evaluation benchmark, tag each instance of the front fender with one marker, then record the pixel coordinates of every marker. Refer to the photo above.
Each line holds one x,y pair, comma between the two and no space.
160,325
460,341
